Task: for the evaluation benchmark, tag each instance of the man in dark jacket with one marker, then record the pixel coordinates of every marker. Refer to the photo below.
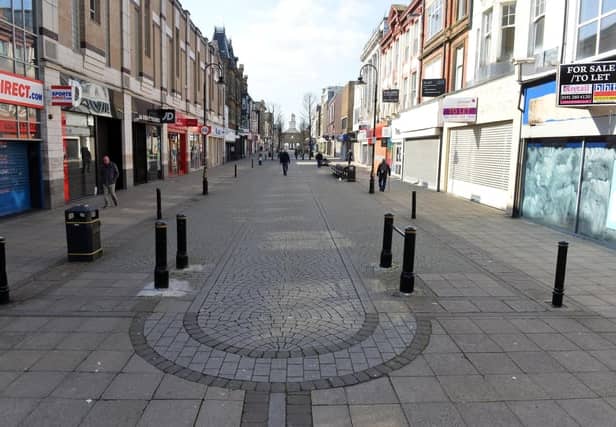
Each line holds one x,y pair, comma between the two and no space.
383,172
109,176
285,160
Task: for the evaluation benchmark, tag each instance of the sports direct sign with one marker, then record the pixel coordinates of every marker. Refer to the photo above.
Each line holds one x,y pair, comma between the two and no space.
18,90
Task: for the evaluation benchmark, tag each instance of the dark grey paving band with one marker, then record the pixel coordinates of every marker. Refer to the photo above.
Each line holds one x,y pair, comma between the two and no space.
371,320
144,350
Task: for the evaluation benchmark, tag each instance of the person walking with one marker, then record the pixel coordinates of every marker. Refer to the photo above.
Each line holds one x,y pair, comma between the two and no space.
383,172
349,157
109,176
319,158
285,160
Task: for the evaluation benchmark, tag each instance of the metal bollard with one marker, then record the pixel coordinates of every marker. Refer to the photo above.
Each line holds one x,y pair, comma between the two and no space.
252,163
161,274
413,204
159,210
235,173
388,230
4,281
181,257
559,279
204,181
407,277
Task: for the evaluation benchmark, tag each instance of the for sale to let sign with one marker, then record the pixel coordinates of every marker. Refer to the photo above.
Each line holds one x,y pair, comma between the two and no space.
584,85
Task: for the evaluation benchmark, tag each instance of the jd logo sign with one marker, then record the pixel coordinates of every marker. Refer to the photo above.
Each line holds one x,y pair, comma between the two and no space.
167,116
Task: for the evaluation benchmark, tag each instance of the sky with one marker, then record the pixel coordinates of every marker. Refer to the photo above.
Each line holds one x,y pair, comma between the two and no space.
291,47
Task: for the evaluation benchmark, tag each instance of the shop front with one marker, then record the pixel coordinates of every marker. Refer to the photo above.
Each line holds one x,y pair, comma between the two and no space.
21,99
185,145
231,145
91,129
147,153
568,176
216,146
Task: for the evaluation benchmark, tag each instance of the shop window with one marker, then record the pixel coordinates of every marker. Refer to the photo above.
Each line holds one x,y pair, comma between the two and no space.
507,31
537,27
596,32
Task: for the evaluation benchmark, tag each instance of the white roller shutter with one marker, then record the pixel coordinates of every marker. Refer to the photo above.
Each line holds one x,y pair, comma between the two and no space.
479,163
421,162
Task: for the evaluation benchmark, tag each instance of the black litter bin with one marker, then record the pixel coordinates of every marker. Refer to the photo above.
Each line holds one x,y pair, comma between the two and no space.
351,173
83,233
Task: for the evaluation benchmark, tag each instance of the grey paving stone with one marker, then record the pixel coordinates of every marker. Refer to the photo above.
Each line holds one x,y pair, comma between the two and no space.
541,414
115,413
598,324
10,340
460,326
139,386
468,388
15,410
418,389
381,415
607,357
377,391
136,364
476,343
60,360
514,342
105,361
552,342
34,384
536,362
532,326
7,377
331,416
493,363
590,412
602,383
492,414
417,368
563,385
496,326
220,413
165,413
172,387
217,393
19,360
58,412
450,364
441,344
589,341
83,385
81,341
277,409
516,387
433,415
578,361
332,396
41,341
117,341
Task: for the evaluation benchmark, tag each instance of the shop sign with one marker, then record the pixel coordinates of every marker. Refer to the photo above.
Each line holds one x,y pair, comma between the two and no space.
587,84
218,131
88,98
432,87
62,95
206,130
183,121
18,90
391,95
460,110
148,118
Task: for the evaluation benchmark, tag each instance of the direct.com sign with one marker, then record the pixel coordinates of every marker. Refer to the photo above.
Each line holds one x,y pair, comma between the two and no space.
18,90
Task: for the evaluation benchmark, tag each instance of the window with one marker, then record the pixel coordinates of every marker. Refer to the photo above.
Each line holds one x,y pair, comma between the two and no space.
405,94
435,18
147,28
415,39
537,27
137,42
432,68
177,52
486,37
507,31
458,69
596,27
413,89
76,28
95,10
461,10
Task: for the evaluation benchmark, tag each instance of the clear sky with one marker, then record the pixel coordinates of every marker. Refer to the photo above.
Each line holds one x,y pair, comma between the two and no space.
290,47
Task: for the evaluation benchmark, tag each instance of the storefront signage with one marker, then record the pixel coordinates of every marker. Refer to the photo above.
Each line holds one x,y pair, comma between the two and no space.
432,87
206,130
18,90
587,84
62,95
611,210
88,98
167,116
391,95
148,118
460,110
218,131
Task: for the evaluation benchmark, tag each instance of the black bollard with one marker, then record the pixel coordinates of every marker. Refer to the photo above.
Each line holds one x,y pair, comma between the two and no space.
252,163
235,171
407,277
204,180
161,274
4,281
181,257
388,230
159,210
559,279
413,204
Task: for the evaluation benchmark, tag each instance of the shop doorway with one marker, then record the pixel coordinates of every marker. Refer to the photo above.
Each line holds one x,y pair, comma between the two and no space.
79,167
109,138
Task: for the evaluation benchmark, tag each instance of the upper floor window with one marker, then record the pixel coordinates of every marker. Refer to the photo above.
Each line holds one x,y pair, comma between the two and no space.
507,31
486,37
461,9
537,26
413,89
596,31
458,68
435,18
415,46
95,10
147,28
432,68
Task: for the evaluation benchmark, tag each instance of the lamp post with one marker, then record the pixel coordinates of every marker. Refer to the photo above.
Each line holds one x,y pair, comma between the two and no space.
360,80
220,81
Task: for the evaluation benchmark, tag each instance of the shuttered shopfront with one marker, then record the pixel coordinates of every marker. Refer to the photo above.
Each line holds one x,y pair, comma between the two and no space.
479,163
421,162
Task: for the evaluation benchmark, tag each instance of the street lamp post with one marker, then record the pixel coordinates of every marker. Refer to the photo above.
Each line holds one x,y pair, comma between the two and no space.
360,80
219,81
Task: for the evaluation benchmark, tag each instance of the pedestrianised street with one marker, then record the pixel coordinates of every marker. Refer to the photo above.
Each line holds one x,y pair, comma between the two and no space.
284,317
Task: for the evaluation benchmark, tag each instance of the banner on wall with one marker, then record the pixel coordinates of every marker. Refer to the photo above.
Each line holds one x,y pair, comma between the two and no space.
611,209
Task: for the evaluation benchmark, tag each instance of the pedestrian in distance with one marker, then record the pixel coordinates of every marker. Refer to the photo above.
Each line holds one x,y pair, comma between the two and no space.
296,153
109,176
383,172
303,154
319,158
349,157
285,159
260,159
